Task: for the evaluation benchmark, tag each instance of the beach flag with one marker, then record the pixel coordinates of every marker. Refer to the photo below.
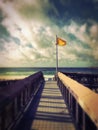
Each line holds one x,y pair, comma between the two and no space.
61,42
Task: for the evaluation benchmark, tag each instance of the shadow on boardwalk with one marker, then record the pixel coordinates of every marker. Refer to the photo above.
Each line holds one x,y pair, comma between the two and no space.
47,111
26,122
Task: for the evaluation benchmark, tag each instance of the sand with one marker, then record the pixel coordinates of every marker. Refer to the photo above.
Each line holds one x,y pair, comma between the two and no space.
3,77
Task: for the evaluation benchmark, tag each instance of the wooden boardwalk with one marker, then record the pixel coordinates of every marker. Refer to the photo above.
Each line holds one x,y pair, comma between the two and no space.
47,111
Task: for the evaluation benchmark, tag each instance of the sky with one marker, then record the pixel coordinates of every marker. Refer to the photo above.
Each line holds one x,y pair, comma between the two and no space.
28,30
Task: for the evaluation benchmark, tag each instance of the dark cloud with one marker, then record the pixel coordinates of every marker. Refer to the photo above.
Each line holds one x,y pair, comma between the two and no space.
1,16
16,40
4,34
29,45
77,41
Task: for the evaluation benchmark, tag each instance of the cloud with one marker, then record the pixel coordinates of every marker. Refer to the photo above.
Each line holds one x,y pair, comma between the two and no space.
29,29
94,31
84,42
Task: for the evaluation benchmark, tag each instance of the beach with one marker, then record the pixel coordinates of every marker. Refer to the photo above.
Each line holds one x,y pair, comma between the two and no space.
6,77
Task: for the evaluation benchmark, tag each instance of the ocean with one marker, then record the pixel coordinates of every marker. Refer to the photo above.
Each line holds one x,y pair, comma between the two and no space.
17,73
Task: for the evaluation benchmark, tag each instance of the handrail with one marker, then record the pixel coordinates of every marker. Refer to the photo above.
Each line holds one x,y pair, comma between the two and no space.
14,99
85,97
88,79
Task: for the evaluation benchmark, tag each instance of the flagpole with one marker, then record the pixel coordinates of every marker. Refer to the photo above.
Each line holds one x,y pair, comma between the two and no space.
60,42
56,56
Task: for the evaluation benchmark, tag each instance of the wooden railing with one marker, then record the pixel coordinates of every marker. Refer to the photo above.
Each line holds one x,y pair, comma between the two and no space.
82,102
4,83
15,99
90,80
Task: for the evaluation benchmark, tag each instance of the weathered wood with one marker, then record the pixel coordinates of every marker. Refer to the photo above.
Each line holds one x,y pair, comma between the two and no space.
14,99
85,97
88,79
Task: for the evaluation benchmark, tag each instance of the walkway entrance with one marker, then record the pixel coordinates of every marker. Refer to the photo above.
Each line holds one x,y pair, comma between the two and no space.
48,111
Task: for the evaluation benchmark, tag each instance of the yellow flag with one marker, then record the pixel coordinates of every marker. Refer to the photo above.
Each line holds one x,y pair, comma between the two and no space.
61,42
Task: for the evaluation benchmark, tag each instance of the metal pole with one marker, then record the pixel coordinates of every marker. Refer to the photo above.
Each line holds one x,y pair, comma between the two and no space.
56,56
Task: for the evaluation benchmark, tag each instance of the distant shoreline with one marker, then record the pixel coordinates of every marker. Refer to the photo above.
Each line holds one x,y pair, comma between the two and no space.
48,72
5,77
